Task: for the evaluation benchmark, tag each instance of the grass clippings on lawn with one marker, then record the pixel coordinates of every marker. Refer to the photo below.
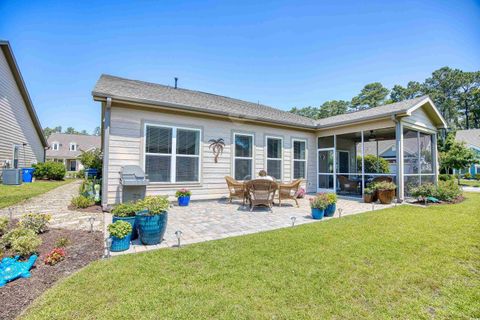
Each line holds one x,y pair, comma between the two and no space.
13,194
406,262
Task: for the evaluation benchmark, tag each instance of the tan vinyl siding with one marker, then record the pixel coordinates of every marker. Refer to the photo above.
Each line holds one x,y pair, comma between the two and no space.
16,125
126,146
420,119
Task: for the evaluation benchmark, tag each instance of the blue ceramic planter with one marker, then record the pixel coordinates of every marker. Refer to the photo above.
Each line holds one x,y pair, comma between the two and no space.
318,214
120,244
132,221
183,201
330,210
151,229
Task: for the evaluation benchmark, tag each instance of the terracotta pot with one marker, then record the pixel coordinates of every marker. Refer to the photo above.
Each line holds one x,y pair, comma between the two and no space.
368,198
386,196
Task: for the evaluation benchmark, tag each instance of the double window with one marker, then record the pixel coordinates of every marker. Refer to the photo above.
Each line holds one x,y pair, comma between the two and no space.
299,159
172,154
243,156
274,157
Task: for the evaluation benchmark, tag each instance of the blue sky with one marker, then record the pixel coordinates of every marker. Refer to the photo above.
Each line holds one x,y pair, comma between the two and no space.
281,53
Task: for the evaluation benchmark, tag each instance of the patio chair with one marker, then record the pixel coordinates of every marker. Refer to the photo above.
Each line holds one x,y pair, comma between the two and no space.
347,184
288,191
236,189
260,192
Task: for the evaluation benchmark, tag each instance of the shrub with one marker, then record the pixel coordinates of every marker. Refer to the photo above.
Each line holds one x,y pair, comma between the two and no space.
126,209
3,224
154,204
423,191
55,256
384,185
22,241
91,159
370,190
119,229
80,174
373,164
37,222
445,177
477,176
447,190
62,242
183,193
331,198
319,202
467,175
82,202
50,170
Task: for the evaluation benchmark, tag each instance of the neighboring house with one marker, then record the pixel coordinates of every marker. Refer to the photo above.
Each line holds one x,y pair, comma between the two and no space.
22,142
166,131
472,140
66,148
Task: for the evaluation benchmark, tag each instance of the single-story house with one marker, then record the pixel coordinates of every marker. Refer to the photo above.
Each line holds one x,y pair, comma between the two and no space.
167,132
471,138
66,148
22,142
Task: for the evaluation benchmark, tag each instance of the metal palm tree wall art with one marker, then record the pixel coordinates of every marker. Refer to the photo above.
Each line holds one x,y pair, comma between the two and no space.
217,146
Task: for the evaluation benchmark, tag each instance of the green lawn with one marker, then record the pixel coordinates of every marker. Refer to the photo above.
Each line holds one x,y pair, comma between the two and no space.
401,263
10,195
470,183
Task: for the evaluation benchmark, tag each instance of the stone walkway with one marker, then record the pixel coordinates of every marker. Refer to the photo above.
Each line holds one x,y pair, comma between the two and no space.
55,202
210,220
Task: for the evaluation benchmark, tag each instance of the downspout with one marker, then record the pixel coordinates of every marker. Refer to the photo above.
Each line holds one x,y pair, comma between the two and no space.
106,137
399,158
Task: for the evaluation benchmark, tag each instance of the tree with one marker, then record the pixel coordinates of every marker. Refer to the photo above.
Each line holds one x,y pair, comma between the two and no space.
91,159
468,83
309,112
371,96
327,109
48,131
414,89
71,130
458,157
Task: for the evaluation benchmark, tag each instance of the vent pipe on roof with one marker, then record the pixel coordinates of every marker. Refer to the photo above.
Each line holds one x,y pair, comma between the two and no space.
176,79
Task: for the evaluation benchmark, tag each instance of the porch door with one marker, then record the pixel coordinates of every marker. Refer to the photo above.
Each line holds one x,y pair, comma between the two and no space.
326,170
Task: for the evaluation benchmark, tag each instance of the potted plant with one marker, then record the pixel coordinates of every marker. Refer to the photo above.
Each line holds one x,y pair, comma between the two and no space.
318,205
369,195
126,212
385,191
332,205
152,219
120,233
183,196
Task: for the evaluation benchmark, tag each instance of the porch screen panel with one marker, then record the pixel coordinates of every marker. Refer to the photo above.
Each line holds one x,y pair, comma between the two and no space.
274,157
299,159
158,153
348,164
243,162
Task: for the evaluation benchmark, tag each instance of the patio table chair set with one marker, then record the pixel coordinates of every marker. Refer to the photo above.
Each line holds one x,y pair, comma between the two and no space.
261,192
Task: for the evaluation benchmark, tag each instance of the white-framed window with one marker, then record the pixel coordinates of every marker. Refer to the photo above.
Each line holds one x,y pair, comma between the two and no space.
73,146
274,146
243,156
55,146
172,154
299,149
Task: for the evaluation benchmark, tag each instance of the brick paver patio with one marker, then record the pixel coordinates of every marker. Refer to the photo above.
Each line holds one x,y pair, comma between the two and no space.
210,220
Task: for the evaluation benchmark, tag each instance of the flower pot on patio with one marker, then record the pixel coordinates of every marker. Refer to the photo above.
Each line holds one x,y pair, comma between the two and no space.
330,210
385,191
131,221
120,234
126,212
369,197
318,213
151,228
183,201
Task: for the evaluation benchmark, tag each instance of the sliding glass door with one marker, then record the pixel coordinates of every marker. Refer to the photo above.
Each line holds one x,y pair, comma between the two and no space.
326,165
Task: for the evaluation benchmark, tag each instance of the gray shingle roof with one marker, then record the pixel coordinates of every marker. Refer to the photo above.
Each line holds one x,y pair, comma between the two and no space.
156,94
470,137
140,91
83,142
381,111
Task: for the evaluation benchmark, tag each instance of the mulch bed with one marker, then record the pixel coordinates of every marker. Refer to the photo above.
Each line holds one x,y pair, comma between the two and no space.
454,201
94,209
84,247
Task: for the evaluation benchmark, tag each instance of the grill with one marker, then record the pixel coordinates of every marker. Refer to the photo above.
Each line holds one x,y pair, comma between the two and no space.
133,176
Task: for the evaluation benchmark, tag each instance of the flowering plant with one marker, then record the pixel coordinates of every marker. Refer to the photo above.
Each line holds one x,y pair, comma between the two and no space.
55,256
320,201
183,193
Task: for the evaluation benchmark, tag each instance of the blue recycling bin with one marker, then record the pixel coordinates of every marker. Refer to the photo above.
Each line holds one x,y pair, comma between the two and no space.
27,174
